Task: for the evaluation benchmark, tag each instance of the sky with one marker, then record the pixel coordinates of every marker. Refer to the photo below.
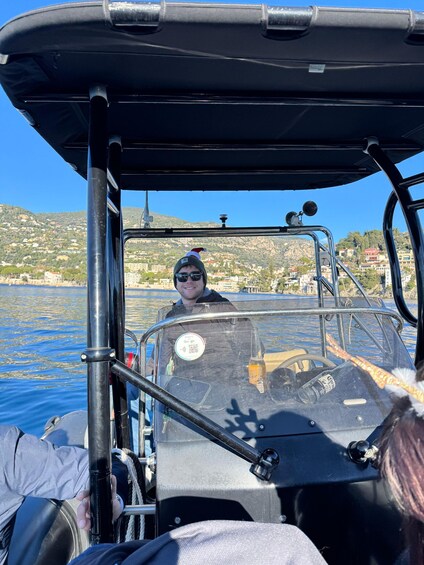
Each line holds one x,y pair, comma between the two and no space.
34,177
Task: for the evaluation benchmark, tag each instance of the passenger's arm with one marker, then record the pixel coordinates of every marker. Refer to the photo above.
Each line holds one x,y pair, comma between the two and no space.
33,467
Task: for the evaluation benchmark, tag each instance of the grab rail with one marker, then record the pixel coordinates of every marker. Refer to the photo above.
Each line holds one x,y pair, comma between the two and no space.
169,322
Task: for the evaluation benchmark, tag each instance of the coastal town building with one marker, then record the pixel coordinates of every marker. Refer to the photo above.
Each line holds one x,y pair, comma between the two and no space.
371,255
52,278
346,253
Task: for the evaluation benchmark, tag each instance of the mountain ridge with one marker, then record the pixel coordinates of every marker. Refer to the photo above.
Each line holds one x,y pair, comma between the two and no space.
56,241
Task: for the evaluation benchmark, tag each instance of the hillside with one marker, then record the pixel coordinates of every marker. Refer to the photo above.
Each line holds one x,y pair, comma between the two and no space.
35,243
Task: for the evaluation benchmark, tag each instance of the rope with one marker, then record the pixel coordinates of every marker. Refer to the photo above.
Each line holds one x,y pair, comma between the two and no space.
132,526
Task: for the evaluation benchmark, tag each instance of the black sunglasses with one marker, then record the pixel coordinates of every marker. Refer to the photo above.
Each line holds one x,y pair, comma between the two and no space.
183,277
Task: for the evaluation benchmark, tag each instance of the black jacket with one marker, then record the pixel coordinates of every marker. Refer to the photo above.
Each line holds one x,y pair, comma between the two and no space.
228,344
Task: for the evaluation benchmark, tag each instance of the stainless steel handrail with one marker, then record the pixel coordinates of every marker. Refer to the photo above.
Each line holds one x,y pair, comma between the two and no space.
208,316
139,510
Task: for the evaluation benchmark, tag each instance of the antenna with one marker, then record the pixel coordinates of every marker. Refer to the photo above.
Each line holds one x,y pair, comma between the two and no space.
146,218
223,218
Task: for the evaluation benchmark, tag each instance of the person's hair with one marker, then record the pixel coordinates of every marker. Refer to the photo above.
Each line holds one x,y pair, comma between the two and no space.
401,463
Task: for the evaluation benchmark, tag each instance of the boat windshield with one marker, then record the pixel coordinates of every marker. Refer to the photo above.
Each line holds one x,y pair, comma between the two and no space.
261,367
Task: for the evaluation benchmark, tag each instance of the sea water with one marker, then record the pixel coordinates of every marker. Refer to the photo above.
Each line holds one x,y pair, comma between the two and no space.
42,336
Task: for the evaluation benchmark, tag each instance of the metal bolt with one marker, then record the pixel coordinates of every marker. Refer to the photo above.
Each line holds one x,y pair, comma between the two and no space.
177,520
83,357
359,418
311,423
112,355
261,427
283,518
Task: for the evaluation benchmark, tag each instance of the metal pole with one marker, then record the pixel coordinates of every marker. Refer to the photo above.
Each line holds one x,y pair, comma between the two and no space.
415,233
98,353
318,279
116,294
397,287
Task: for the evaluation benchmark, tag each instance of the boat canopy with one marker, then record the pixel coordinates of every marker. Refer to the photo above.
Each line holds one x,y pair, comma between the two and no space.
220,97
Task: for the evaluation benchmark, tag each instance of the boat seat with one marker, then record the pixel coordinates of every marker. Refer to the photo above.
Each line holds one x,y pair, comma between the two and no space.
274,360
45,533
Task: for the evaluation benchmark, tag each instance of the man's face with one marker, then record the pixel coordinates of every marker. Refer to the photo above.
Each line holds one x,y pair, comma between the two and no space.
190,290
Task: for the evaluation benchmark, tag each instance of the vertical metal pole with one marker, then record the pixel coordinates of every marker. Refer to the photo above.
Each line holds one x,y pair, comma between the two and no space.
335,281
394,261
97,322
415,233
319,291
116,296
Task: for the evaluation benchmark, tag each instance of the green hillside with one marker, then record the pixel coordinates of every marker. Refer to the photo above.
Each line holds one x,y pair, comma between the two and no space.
35,243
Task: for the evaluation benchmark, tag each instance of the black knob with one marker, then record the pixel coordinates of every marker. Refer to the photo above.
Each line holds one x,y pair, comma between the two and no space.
268,461
358,451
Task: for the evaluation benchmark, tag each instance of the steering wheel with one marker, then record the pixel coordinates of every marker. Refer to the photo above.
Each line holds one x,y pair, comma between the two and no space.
306,357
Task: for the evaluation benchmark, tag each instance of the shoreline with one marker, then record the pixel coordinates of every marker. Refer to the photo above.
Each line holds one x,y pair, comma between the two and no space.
412,295
70,284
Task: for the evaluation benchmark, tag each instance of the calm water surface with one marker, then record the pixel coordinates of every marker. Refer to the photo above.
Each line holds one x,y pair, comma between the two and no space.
43,333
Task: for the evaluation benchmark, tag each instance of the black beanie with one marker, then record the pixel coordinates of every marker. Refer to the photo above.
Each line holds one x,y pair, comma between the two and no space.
190,259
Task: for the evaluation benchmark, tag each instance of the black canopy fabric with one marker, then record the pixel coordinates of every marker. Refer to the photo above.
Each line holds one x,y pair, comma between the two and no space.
223,97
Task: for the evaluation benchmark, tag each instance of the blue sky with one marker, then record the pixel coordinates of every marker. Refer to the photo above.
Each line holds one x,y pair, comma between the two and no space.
34,177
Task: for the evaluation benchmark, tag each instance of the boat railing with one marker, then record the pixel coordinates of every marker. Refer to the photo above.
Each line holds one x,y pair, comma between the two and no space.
334,290
262,462
395,270
410,208
311,231
322,312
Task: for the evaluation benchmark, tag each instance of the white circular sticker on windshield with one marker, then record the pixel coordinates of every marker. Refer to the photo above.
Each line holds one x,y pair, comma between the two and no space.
190,346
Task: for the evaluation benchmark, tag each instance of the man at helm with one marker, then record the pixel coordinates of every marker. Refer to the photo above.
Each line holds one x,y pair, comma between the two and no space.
211,350
190,279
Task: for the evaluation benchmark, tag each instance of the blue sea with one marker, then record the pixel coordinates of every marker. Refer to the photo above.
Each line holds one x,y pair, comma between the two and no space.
42,335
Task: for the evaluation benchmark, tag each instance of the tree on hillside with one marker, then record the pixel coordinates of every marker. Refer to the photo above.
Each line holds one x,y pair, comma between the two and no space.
281,283
355,240
266,277
14,271
306,265
369,279
373,238
148,277
75,275
412,283
345,284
